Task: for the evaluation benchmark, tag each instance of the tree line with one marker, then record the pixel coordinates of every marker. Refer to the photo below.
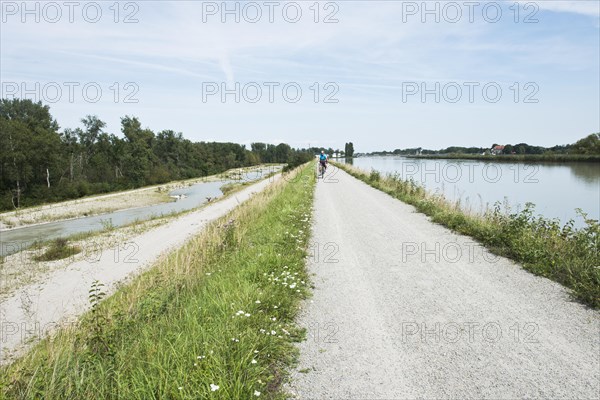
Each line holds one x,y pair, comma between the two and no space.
40,163
589,145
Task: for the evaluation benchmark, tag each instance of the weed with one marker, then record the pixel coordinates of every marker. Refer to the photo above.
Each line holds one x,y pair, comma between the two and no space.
58,249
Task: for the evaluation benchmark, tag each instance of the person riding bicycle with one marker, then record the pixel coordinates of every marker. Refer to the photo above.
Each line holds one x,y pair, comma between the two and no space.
323,160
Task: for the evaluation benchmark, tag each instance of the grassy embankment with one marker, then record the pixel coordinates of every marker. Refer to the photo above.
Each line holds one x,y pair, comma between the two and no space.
514,157
564,254
35,261
216,313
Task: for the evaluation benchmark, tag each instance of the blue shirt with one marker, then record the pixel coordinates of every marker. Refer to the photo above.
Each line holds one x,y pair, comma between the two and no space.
323,157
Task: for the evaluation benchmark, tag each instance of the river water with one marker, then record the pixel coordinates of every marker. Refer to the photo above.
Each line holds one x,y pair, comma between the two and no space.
556,189
192,196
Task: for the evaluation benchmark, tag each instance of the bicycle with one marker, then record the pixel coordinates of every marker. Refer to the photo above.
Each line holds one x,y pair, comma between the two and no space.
321,170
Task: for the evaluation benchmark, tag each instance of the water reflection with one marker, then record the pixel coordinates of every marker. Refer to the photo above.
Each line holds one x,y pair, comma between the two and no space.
556,189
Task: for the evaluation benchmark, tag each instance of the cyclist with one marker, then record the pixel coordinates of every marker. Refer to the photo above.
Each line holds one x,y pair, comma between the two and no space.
323,162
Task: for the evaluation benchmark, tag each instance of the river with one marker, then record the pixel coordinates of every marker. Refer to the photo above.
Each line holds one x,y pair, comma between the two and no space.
556,189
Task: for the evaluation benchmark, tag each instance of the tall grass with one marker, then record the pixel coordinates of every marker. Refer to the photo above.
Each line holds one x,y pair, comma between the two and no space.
562,253
213,319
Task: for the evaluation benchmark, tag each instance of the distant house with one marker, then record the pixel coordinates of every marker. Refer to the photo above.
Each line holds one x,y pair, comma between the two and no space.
497,150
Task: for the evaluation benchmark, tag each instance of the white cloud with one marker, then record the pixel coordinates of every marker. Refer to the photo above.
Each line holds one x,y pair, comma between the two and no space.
585,7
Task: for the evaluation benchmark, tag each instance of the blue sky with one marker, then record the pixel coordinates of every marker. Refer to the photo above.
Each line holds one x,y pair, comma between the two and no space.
372,56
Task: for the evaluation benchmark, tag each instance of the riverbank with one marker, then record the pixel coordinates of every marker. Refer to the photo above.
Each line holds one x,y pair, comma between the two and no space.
564,254
21,269
213,318
102,204
550,158
24,267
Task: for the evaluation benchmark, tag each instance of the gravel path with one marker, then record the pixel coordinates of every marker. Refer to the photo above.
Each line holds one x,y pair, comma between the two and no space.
404,308
36,309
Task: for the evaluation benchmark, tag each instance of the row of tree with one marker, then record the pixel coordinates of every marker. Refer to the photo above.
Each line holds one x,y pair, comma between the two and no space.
589,145
40,163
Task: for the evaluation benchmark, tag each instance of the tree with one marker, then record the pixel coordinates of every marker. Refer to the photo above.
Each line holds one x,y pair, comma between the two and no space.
30,147
282,153
167,148
138,151
93,129
588,145
40,164
349,150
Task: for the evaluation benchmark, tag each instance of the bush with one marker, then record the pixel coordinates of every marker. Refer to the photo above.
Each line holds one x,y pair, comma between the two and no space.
375,176
83,188
58,250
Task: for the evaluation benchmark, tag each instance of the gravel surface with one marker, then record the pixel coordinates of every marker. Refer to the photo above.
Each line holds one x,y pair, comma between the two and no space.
404,308
35,310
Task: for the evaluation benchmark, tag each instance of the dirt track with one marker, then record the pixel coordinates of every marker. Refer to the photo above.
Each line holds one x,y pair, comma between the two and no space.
404,308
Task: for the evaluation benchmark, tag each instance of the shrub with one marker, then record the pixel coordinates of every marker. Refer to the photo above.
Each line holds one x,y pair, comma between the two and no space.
58,250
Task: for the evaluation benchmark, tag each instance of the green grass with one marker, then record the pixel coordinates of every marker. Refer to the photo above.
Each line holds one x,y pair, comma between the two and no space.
232,187
58,249
542,246
218,311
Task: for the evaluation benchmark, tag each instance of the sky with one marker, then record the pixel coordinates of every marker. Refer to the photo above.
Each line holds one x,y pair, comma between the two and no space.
381,74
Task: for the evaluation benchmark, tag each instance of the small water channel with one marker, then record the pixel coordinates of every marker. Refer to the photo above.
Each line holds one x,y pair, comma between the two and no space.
189,197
